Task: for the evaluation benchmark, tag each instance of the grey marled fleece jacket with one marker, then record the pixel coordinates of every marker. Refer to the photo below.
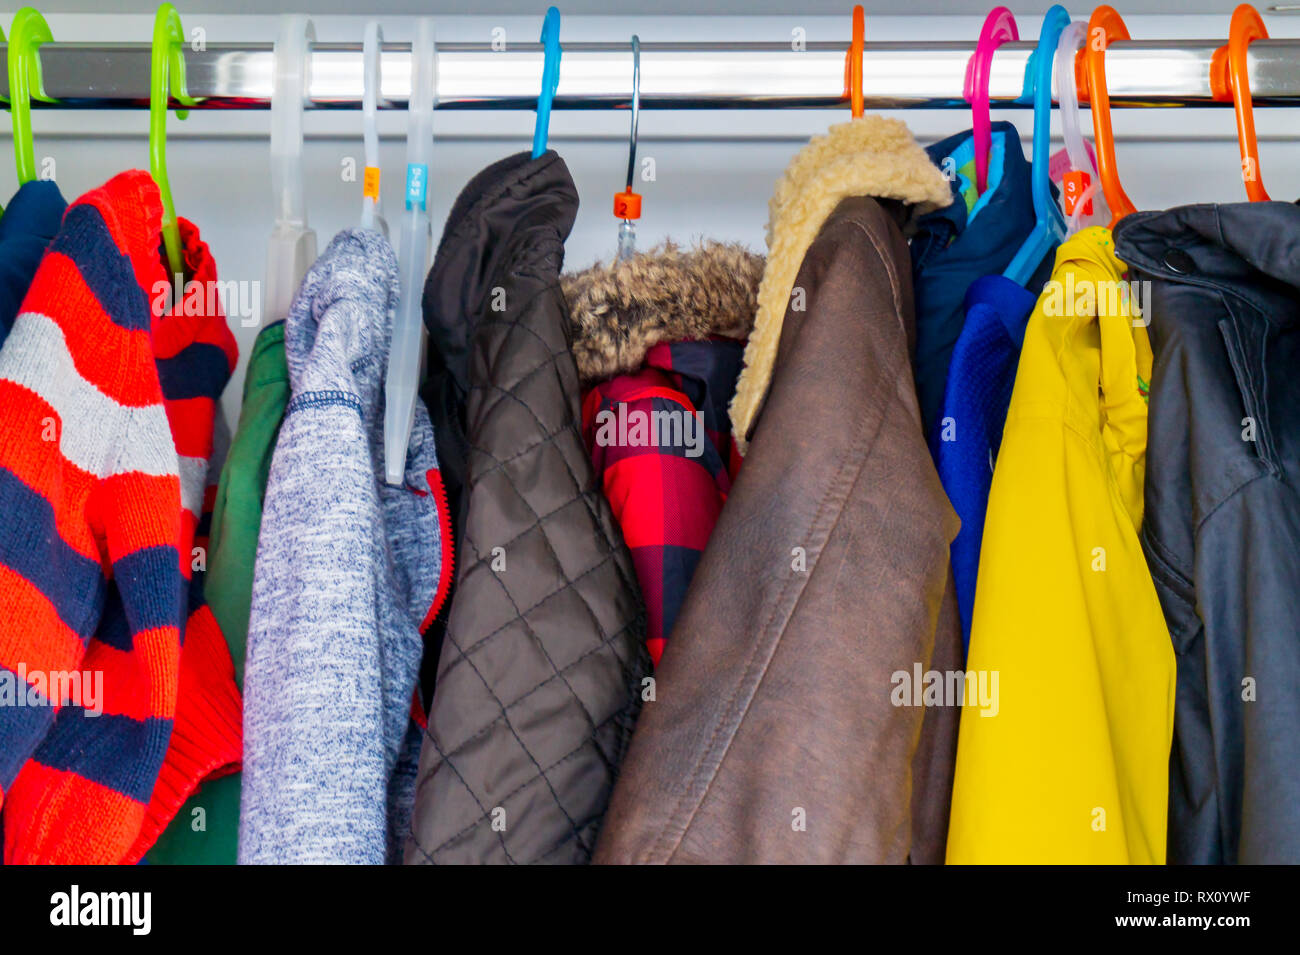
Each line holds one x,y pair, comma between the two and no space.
349,572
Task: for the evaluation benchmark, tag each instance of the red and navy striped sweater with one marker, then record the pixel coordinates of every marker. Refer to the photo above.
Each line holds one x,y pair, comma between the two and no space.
108,410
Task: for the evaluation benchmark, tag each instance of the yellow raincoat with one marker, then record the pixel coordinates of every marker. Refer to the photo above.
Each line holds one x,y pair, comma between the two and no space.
1068,762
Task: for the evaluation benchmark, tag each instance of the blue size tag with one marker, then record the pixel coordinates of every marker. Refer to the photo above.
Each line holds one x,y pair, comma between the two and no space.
417,185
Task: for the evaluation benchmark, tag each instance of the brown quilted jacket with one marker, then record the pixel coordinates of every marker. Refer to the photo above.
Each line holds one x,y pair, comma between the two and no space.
538,679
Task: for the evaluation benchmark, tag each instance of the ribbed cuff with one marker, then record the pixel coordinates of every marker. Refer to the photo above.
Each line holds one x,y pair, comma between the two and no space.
207,734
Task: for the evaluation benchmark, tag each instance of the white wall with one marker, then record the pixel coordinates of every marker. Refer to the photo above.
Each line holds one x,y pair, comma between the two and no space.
715,170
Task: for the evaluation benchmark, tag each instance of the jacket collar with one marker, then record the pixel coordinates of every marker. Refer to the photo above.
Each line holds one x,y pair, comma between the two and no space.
622,310
506,203
972,223
869,156
1245,249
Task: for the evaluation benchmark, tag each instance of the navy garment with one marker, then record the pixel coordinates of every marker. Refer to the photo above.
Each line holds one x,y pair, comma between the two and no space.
968,433
28,224
973,237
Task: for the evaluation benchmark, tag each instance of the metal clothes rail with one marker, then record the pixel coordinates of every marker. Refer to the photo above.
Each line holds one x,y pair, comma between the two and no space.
473,76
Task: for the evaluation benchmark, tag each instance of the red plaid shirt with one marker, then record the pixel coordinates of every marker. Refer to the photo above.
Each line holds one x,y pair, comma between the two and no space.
665,479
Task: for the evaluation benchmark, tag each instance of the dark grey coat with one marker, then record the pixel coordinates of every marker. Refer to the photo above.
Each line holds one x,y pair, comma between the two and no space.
1222,523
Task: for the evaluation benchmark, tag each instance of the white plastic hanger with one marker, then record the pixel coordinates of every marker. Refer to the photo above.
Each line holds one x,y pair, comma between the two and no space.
372,209
293,245
406,353
1081,157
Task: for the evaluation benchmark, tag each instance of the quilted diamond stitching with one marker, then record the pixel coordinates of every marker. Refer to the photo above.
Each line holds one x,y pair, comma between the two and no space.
499,335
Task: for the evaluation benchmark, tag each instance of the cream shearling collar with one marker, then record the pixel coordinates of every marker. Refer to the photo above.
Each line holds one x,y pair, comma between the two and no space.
867,156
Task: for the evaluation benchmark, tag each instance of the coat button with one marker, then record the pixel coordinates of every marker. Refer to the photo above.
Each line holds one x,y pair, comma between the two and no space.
1176,260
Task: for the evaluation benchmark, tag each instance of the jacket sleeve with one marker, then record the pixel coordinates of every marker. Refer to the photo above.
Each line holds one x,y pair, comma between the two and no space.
1247,596
51,584
311,640
663,495
206,740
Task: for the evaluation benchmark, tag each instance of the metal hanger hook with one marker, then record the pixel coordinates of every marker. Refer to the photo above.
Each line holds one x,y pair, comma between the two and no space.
636,108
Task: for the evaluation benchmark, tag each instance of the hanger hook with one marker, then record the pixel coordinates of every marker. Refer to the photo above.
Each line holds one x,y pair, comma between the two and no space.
1104,26
1230,80
853,63
1043,59
550,78
636,109
1081,183
999,27
166,80
372,51
627,204
28,32
1049,225
289,95
3,99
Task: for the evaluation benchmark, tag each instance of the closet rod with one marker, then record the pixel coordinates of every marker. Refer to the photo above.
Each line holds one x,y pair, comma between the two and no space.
896,75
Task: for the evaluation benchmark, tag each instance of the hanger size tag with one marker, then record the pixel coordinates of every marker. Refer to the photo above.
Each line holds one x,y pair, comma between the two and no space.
1074,183
627,205
370,183
417,185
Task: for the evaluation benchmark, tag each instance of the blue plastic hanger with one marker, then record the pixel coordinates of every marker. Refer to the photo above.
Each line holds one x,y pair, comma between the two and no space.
550,79
1050,227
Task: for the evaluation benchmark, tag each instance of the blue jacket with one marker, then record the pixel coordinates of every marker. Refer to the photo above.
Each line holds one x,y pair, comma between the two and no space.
972,237
967,436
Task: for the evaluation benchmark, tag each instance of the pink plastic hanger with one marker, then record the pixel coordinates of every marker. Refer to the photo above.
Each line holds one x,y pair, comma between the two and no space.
999,27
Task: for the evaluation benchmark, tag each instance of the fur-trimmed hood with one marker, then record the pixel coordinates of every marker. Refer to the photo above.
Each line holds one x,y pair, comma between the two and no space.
621,310
868,156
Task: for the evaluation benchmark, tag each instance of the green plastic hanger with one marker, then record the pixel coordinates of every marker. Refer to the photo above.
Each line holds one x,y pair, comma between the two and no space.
29,30
3,100
167,63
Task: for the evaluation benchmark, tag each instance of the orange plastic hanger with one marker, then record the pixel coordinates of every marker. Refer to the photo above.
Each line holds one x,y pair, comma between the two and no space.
853,63
1104,25
1230,80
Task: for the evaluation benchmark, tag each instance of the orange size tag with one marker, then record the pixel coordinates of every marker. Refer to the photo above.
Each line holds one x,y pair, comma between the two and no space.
370,183
627,205
1073,185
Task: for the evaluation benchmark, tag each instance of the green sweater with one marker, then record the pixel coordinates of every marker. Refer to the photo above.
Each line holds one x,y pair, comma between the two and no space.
210,836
